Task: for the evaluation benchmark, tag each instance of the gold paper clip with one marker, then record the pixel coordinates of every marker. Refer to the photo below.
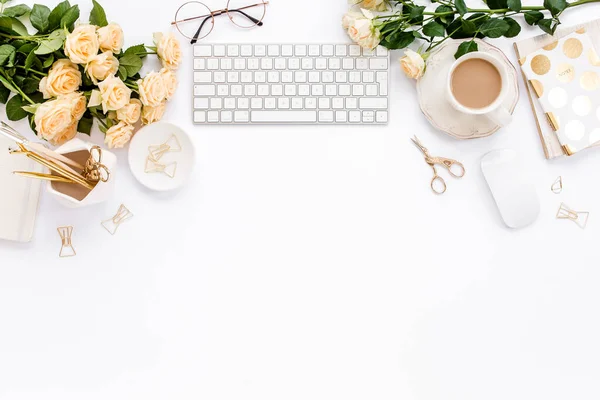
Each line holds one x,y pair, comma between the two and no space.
557,186
158,150
67,249
122,215
579,217
173,143
152,166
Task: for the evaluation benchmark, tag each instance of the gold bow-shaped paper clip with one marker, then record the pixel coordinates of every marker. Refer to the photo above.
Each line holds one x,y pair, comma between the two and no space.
94,170
112,224
579,217
152,166
171,145
557,186
67,249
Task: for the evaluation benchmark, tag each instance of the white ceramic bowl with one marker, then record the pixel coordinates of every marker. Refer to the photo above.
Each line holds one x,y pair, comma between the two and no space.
156,134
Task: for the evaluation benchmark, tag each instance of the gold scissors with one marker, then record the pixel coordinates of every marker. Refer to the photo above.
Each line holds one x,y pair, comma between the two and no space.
444,162
94,170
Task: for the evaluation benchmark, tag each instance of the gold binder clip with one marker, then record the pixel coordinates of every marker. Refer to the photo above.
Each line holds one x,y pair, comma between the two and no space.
557,186
122,215
152,166
579,217
67,249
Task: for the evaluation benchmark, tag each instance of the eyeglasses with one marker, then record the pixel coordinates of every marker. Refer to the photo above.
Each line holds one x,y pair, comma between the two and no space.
191,13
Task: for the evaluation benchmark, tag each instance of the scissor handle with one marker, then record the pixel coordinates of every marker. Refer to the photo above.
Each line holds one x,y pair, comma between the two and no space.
440,182
448,163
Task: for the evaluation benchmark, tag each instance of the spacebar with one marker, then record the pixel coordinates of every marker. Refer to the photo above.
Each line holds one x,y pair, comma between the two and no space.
283,116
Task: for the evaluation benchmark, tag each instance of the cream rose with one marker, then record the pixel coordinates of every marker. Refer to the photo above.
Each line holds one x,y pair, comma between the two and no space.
63,78
361,30
114,93
119,135
170,81
102,66
82,45
54,121
412,64
152,89
168,50
111,38
77,102
153,114
131,112
376,5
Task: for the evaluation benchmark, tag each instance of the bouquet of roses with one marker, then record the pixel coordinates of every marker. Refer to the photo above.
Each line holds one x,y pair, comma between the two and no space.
69,73
396,24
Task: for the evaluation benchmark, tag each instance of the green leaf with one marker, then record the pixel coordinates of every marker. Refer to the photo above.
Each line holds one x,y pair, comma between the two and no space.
464,48
533,17
497,4
30,85
48,61
7,84
555,6
16,11
494,28
433,29
39,17
98,16
85,124
461,7
7,55
513,28
4,94
26,48
398,40
19,27
416,14
468,27
14,109
139,50
53,43
444,19
57,14
546,26
514,5
68,20
6,24
30,60
131,63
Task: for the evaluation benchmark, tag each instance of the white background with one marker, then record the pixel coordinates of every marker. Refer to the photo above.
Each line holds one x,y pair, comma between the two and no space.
310,262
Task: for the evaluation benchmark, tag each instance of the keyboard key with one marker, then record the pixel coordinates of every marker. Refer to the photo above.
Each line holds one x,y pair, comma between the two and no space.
241,116
373,102
256,102
368,77
294,63
202,77
325,116
199,116
341,50
341,116
297,102
344,90
243,102
341,77
372,90
335,63
378,63
331,90
260,77
317,90
273,50
250,90
239,63
381,117
260,50
368,116
212,63
310,103
213,116
246,77
218,50
216,103
266,63
300,77
354,50
307,63
300,50
368,52
223,90
287,77
253,63
226,63
200,103
226,116
287,50
202,51
283,103
354,116
327,77
327,50
382,51
348,63
280,63
351,103
270,103
229,103
277,90
233,50
236,90
314,50
233,77
290,90
362,63
204,90
303,90
314,76
263,90
358,90
284,116
273,77
324,103
354,77
199,63
321,63
337,103
220,77
246,50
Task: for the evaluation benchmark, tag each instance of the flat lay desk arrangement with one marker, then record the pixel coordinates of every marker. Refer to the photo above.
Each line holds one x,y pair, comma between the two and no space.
263,202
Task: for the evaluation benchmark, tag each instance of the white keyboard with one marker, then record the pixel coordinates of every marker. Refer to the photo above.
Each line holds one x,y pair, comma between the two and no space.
295,84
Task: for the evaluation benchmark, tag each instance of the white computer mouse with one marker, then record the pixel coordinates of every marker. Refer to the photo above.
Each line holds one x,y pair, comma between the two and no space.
511,187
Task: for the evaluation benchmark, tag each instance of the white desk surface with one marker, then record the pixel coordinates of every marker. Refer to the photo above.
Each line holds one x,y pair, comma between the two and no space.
310,263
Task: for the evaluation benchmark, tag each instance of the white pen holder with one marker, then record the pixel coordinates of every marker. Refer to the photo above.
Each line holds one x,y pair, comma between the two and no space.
73,195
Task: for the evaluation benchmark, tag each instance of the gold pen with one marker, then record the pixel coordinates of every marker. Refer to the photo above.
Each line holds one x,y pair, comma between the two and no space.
46,177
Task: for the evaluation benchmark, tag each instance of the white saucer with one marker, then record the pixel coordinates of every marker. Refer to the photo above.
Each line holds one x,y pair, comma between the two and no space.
156,134
438,110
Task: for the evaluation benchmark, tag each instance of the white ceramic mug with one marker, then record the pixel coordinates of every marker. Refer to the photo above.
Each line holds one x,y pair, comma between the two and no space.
495,111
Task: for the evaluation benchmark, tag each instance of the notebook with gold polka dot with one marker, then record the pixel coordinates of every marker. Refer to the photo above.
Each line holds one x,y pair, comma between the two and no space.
565,76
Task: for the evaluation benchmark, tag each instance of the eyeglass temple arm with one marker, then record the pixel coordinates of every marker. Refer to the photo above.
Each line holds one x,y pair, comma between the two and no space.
257,22
195,38
219,12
